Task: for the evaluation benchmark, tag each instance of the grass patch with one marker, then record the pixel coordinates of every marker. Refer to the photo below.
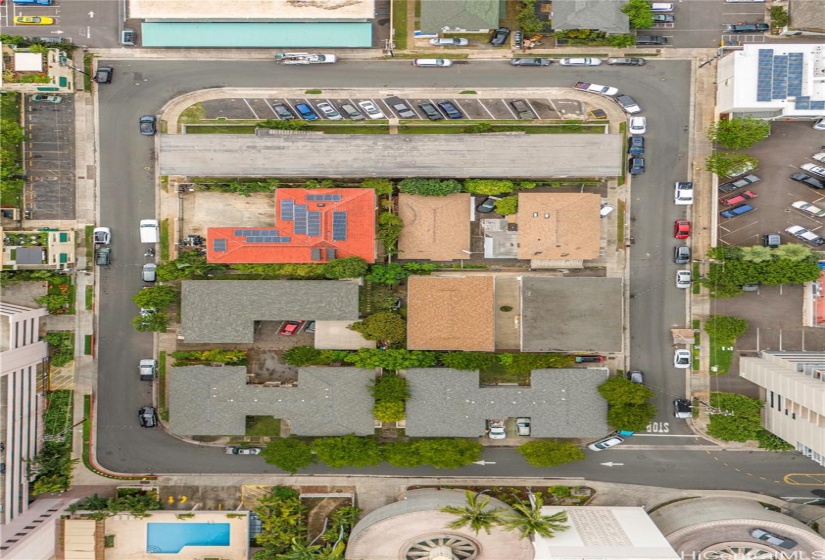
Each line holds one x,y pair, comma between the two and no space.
263,426
399,24
457,128
90,298
697,286
164,240
497,373
468,92
720,357
314,91
193,113
162,410
87,75
697,341
88,234
220,129
621,210
61,347
87,345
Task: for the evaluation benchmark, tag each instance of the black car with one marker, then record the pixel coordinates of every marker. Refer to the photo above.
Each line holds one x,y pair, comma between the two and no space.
637,165
430,111
104,75
682,408
731,186
500,37
663,18
626,61
148,417
808,181
488,205
399,106
650,40
148,125
681,254
747,27
636,146
450,110
283,112
522,109
527,61
104,256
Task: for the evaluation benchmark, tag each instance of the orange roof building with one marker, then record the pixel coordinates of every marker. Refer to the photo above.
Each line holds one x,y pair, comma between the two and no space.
311,226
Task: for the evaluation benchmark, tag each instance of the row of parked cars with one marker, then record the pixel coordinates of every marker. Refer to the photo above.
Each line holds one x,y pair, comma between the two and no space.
366,109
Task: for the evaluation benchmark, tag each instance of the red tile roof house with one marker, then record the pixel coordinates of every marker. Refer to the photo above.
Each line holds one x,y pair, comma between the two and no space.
311,226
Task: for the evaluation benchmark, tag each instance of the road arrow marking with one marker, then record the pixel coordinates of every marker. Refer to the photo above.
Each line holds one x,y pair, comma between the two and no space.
612,464
482,463
91,14
58,32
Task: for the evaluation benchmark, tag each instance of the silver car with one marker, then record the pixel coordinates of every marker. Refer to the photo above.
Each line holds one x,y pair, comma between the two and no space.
449,42
371,109
329,111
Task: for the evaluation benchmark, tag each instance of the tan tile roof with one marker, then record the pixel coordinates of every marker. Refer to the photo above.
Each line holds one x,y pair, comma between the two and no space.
436,228
451,313
558,226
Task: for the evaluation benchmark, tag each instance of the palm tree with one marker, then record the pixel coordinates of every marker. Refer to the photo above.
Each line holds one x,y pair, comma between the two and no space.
529,521
475,514
301,551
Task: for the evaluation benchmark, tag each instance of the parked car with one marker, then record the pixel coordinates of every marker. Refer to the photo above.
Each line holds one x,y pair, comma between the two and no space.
523,426
681,254
33,20
351,112
234,450
683,279
605,443
746,27
103,256
771,240
738,184
306,112
103,75
681,229
683,193
773,538
580,62
488,205
149,272
809,208
663,18
807,236
433,62
636,145
636,376
290,327
638,125
148,417
310,327
46,98
430,111
637,165
737,211
681,358
529,61
449,109
147,369
589,359
819,124
148,125
128,37
815,169
500,37
522,109
682,408
102,235
606,210
650,40
746,167
400,106
738,199
449,42
371,109
497,430
627,61
328,111
283,112
820,157
808,181
628,104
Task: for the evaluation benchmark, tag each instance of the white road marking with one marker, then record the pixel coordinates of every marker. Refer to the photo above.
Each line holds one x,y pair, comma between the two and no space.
251,109
480,102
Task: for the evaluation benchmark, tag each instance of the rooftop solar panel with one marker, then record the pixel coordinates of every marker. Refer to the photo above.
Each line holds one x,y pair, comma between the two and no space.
818,105
764,75
323,197
339,226
314,224
780,77
219,245
287,210
300,219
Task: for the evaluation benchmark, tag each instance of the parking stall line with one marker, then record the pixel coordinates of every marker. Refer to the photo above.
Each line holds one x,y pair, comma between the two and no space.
553,105
533,108
510,109
268,104
460,108
480,102
250,108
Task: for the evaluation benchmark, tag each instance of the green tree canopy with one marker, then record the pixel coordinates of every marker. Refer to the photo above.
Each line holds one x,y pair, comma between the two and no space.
283,518
725,329
507,205
640,14
348,451
429,187
389,411
188,265
527,20
793,252
448,453
382,326
159,297
303,356
349,267
390,387
621,41
155,322
550,453
289,454
389,274
621,391
726,164
381,186
488,186
477,513
468,361
529,521
739,133
392,359
757,254
631,417
401,454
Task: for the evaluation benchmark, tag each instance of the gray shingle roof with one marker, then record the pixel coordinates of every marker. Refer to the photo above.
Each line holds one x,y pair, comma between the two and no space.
604,15
216,401
561,403
461,14
808,15
586,314
225,311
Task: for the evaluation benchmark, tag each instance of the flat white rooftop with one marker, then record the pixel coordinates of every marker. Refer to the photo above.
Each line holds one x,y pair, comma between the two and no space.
253,10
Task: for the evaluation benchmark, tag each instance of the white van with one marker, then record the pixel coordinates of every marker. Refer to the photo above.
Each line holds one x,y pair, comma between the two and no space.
661,7
149,231
433,62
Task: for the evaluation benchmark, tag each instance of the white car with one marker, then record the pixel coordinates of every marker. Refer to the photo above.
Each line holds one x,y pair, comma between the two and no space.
681,358
606,210
580,61
329,111
820,157
449,42
819,124
605,443
815,169
683,193
638,125
371,109
808,236
102,235
523,426
147,369
809,208
497,432
683,278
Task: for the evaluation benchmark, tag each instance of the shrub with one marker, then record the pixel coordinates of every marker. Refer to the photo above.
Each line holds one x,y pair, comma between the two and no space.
349,267
429,187
488,186
392,359
468,361
390,388
303,356
348,451
507,205
550,453
388,230
389,411
385,326
381,186
389,274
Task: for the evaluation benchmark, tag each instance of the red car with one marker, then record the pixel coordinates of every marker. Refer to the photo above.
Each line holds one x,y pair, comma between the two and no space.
291,327
681,229
741,197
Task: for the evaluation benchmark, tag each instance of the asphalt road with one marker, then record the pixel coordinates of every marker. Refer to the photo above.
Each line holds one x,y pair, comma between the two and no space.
126,183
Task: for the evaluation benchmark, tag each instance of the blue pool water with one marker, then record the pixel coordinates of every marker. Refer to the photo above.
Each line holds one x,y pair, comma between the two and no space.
172,537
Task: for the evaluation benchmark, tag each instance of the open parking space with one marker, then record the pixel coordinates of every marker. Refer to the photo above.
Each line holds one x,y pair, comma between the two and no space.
790,145
702,24
50,160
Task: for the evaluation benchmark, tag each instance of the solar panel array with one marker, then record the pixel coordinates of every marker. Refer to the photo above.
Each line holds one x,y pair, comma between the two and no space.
780,77
261,236
314,224
764,75
219,245
339,226
795,74
287,210
806,103
323,197
300,225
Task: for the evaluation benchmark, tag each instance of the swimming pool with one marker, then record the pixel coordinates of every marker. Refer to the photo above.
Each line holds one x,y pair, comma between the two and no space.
172,537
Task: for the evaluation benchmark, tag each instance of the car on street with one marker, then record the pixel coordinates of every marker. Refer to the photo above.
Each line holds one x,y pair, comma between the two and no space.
738,184
636,145
149,272
681,229
580,61
306,112
148,417
681,358
529,61
289,328
681,254
807,236
522,109
500,37
682,408
663,18
820,157
638,125
449,42
589,359
488,205
103,256
627,104
433,62
401,107
650,40
637,165
746,27
371,109
772,538
148,125
351,112
605,443
809,208
148,311
815,169
283,112
808,181
102,235
819,124
234,450
683,193
738,199
33,20
636,376
523,426
683,279
449,109
328,111
737,211
103,75
46,98
430,111
147,369
626,61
